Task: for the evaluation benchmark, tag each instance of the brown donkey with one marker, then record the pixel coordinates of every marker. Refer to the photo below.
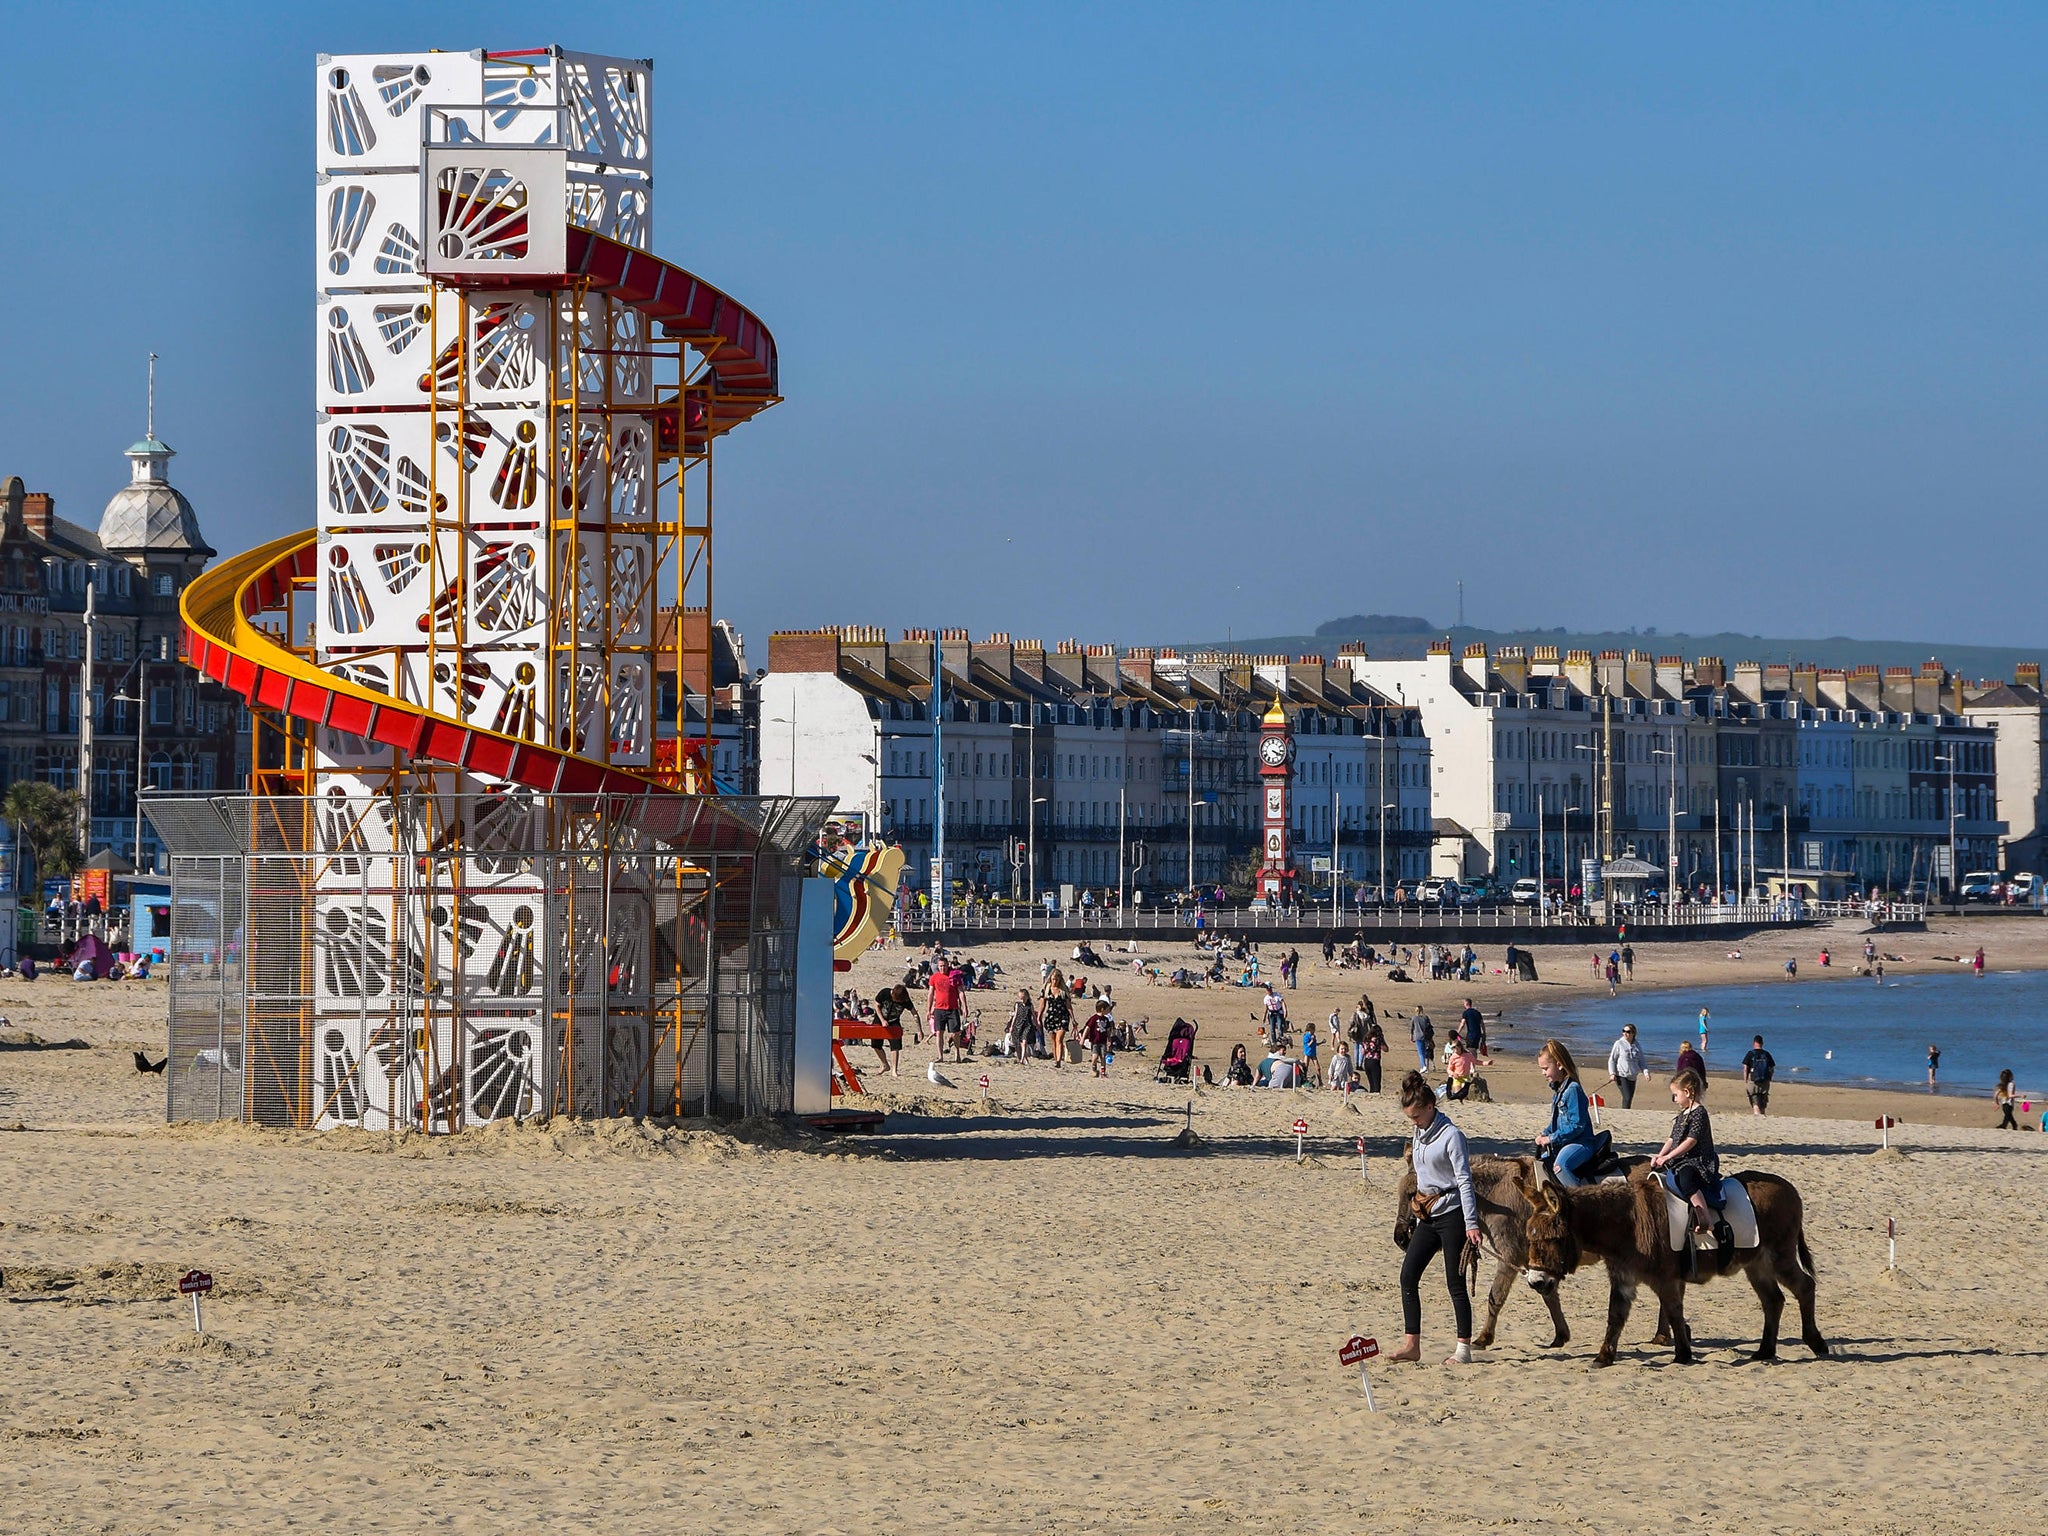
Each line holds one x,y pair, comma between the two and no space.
1625,1226
1503,1210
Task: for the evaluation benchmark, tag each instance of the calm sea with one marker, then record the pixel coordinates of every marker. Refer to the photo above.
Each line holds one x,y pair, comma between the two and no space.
1845,1031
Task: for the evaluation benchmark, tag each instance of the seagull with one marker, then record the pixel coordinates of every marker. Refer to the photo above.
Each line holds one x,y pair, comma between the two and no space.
932,1071
1827,1055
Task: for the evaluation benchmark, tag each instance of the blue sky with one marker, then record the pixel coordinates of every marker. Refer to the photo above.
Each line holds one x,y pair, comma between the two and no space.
1140,323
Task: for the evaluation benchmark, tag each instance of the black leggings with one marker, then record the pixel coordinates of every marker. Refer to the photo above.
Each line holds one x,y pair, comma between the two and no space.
1446,1232
2008,1123
1371,1068
1692,1179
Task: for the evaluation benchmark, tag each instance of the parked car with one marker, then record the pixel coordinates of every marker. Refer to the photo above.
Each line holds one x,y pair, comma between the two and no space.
1979,885
1524,892
2026,886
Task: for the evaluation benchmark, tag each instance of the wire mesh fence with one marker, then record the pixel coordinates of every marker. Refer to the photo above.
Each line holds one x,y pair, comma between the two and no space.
436,961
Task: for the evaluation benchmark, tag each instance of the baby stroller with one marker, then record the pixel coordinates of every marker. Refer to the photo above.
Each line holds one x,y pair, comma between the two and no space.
1175,1065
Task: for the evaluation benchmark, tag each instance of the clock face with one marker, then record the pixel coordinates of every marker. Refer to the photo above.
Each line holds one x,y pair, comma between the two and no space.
1274,751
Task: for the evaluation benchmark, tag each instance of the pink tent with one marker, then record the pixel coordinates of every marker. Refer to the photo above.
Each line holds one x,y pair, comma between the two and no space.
91,947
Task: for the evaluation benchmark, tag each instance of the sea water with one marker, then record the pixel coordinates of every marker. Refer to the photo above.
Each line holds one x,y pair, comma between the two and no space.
1848,1031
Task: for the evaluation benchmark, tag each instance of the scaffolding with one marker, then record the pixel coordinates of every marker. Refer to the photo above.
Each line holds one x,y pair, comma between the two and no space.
446,961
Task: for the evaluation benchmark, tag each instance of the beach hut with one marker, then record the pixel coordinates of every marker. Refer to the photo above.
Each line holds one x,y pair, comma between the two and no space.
1626,878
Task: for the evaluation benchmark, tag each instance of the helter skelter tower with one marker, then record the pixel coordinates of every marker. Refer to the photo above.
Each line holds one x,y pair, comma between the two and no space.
517,410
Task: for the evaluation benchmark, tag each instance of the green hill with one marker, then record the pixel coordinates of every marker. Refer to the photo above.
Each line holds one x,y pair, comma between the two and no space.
1397,636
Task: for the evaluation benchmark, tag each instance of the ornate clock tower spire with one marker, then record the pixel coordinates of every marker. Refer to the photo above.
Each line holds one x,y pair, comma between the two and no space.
1276,768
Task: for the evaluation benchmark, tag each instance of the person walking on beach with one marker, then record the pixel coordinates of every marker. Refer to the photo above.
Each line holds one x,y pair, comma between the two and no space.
1933,1064
2004,1096
890,1006
1628,960
1759,1066
1023,1020
944,1005
1096,1034
1448,1221
1472,1025
1372,1055
1613,978
1690,1060
1977,962
1056,1015
1423,1033
1703,1029
1625,1064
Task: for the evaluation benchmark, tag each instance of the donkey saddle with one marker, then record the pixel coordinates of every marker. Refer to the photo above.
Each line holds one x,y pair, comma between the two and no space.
1736,1212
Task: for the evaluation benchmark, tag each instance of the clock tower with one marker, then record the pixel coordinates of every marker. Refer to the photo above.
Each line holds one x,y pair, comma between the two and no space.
1276,768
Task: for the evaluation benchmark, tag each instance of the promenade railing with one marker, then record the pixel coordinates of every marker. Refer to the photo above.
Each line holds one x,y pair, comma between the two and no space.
1019,917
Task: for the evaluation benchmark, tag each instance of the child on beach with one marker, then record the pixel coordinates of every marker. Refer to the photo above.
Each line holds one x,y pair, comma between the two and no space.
1096,1033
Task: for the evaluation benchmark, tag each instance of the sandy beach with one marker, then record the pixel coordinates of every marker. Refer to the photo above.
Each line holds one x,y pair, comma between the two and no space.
1227,1015
1043,1312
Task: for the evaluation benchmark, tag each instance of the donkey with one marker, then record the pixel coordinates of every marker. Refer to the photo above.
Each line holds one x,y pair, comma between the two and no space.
1625,1225
1504,1208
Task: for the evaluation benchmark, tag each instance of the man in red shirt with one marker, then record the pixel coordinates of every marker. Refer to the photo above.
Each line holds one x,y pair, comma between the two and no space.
947,982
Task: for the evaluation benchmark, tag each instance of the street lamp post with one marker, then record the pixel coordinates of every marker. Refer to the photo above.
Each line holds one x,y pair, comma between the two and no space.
1121,894
1383,813
1947,760
1671,831
85,720
942,889
1336,863
140,693
1385,806
1191,795
1031,847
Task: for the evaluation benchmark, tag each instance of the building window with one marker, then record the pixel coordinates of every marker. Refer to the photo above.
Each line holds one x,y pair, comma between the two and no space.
162,584
160,770
163,702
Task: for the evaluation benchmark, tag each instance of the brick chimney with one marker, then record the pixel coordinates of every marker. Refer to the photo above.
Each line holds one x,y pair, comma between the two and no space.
1475,666
2027,674
1671,676
37,508
1511,662
1578,670
1927,688
803,650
